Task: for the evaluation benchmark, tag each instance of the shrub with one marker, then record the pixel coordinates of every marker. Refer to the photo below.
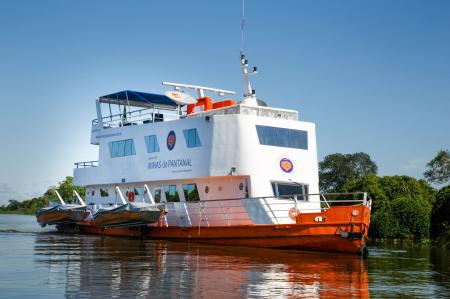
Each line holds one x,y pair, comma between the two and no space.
401,206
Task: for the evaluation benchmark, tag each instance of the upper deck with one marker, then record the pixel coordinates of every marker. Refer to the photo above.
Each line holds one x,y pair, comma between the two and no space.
137,108
152,115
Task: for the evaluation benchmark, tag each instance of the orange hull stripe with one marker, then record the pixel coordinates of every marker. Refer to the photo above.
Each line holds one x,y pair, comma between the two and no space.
307,234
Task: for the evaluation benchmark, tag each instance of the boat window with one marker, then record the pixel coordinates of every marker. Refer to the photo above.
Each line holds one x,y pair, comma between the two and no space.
129,147
282,137
192,138
171,193
191,192
159,117
138,190
286,189
152,144
104,192
121,148
114,149
157,196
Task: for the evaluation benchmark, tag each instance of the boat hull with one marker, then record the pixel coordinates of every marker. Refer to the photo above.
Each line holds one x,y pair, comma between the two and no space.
129,215
338,231
57,216
127,218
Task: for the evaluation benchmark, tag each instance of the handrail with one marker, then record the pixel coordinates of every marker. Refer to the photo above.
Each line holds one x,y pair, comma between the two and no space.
202,212
291,197
271,210
249,110
135,117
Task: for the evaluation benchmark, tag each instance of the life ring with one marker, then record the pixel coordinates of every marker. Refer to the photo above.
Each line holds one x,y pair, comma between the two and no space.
293,213
131,196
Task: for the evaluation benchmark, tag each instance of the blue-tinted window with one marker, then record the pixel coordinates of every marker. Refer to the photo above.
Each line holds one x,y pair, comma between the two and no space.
298,139
115,147
152,144
282,137
121,151
266,135
129,147
121,148
191,137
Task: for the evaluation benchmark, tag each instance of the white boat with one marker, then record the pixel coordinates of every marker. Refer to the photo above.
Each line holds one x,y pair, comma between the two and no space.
62,213
129,215
229,172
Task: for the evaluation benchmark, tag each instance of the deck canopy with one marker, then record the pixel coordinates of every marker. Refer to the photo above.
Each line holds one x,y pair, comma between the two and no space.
138,99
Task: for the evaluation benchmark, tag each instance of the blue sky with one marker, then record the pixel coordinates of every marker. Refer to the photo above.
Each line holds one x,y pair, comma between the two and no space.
373,75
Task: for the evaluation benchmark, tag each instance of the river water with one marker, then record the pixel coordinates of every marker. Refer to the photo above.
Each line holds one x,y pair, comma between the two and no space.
40,263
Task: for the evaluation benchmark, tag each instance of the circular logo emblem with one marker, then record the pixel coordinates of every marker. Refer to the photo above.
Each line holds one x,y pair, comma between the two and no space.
171,140
286,165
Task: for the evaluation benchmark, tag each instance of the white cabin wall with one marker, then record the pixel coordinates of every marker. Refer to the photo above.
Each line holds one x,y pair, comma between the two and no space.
227,141
135,168
222,188
236,144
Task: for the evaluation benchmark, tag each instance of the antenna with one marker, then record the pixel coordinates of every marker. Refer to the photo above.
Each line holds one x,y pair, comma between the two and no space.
249,93
242,26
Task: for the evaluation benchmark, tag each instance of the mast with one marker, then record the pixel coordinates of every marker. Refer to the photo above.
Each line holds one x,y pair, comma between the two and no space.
249,97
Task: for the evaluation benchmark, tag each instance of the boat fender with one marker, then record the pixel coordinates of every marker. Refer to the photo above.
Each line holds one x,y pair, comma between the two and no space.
293,213
131,196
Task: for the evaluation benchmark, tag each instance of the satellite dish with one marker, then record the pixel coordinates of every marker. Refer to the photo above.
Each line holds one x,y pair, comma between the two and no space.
180,98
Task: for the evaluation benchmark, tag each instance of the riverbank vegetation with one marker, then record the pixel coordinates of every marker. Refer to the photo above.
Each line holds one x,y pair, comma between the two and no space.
31,206
403,208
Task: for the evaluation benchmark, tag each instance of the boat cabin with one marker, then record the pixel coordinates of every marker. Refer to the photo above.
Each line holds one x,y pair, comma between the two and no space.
172,150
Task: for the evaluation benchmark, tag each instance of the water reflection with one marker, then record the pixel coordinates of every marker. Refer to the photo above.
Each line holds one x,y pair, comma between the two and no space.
94,266
38,264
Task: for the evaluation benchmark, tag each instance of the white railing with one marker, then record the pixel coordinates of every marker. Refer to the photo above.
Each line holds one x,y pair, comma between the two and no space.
251,110
229,212
137,117
144,116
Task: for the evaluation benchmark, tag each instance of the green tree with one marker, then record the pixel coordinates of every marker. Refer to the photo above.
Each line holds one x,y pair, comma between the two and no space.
440,215
383,223
337,169
14,204
413,217
66,187
439,168
397,186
